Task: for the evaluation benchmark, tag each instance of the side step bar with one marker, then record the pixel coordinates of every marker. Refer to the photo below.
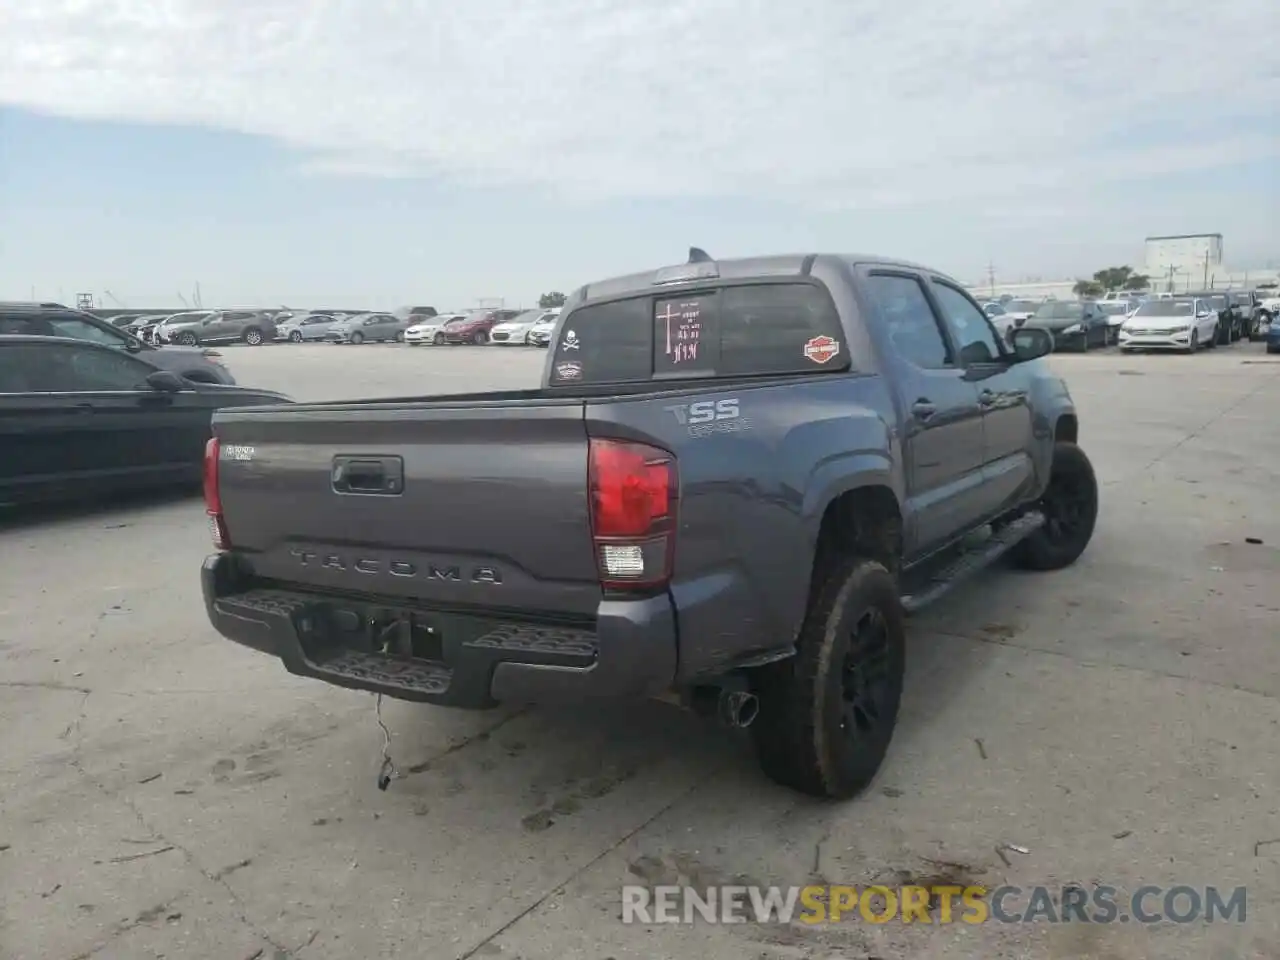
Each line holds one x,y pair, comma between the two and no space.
972,561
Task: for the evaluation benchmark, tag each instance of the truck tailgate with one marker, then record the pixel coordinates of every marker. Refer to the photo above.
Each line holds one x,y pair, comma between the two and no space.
489,508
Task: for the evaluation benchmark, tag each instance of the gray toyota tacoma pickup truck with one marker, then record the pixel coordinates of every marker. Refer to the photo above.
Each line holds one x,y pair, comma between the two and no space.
737,480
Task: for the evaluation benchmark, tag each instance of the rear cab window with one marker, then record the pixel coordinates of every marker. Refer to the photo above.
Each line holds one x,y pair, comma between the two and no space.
733,330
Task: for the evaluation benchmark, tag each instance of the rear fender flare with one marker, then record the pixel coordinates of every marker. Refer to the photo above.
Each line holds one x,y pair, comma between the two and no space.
845,472
834,477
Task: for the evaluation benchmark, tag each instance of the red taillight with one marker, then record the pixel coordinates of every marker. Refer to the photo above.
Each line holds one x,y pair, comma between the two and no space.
213,496
634,490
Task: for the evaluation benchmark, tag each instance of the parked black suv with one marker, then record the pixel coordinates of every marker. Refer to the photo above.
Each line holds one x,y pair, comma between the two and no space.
1249,305
1231,320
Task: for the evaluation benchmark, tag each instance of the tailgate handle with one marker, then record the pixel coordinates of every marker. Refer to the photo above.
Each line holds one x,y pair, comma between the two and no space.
368,475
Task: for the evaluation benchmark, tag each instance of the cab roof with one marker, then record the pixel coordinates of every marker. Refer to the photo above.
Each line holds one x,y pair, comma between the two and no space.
701,266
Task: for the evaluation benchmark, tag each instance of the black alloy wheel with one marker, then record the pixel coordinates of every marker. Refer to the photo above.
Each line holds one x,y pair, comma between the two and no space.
1070,507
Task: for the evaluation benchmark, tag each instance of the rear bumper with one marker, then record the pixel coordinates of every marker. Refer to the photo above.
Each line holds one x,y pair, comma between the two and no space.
630,650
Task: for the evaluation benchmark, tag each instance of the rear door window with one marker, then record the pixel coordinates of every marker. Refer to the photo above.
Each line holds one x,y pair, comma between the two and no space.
780,328
737,330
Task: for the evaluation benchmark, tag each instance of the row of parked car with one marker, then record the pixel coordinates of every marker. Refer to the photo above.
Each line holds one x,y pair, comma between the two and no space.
1183,322
415,325
191,328
498,327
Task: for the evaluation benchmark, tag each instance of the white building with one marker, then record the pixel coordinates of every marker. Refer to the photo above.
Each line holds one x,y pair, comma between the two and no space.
1027,289
1184,261
1173,263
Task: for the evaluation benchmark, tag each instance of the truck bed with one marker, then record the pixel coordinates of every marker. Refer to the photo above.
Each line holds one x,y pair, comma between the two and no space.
491,510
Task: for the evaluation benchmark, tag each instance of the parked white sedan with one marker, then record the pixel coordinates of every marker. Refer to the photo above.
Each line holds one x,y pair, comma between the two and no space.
1182,323
516,330
429,330
540,333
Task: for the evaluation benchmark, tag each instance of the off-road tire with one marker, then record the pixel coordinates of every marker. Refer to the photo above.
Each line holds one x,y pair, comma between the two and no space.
799,737
1059,544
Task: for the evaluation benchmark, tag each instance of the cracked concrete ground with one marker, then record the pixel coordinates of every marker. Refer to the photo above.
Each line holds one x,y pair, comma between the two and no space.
164,793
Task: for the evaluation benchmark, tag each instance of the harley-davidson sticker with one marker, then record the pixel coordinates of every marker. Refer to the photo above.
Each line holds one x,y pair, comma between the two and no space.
821,349
569,370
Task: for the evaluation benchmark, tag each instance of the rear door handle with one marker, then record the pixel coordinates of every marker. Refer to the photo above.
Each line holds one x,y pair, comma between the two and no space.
922,409
371,476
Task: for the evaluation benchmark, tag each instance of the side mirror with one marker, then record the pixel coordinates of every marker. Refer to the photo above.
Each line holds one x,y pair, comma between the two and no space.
1031,343
133,345
166,382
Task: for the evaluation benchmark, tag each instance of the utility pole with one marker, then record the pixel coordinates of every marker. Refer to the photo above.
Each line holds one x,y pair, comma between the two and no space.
1206,269
991,278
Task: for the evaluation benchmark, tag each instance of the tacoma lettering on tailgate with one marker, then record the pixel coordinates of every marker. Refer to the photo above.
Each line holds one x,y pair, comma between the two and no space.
451,573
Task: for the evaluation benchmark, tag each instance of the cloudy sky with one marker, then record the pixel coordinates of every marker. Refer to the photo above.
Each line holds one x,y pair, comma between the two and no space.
383,152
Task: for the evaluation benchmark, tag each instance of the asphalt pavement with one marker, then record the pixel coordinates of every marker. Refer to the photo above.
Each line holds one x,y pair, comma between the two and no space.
165,793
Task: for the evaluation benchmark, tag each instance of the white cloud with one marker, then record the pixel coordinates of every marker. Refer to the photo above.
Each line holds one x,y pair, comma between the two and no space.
835,101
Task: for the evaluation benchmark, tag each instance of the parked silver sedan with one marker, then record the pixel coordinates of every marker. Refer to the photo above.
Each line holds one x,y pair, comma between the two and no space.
367,327
305,326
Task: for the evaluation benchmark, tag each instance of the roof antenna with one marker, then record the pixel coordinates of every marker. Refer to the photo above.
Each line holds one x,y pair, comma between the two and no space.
698,255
